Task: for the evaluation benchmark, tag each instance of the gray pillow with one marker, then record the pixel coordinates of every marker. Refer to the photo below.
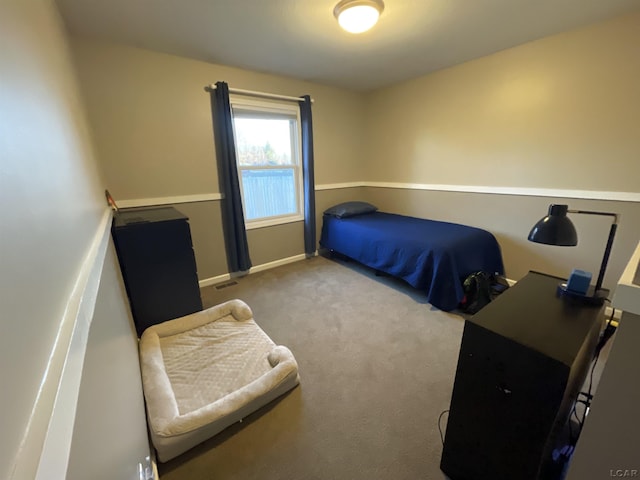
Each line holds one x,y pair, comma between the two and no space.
350,209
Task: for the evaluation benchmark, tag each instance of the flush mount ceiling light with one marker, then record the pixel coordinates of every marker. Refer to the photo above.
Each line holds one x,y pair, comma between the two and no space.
357,16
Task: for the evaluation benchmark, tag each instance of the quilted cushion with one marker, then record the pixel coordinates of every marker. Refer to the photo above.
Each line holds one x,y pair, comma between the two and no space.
206,371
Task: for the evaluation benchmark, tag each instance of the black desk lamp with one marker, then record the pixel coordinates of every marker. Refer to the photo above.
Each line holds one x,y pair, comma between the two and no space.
557,229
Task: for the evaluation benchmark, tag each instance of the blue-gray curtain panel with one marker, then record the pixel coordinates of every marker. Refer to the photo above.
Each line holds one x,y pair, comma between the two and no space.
308,177
235,234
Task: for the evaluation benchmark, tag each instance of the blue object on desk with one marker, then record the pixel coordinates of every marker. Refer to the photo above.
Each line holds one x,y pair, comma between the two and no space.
579,281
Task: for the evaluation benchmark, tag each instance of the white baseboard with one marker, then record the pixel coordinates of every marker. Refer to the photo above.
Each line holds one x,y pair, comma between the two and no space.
206,282
277,263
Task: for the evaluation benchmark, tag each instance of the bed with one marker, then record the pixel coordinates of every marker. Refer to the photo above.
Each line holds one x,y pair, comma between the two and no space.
205,371
430,255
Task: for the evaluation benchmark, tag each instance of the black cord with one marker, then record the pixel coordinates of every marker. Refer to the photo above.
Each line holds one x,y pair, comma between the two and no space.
607,333
610,319
588,394
572,440
593,369
574,413
440,427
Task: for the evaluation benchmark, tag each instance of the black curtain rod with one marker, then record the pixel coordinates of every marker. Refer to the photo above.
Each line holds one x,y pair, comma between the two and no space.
253,93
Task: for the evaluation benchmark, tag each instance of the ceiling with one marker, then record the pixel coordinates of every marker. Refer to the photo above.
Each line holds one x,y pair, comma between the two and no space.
301,38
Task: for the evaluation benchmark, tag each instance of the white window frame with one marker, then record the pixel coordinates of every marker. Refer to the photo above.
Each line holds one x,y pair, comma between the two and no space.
241,103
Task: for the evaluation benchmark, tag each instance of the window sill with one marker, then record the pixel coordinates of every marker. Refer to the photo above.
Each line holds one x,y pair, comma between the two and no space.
272,222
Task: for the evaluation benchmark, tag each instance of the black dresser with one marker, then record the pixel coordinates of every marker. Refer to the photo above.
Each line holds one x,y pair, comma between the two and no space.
523,360
158,264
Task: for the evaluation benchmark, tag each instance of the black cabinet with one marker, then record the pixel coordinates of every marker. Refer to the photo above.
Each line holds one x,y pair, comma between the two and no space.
158,265
522,363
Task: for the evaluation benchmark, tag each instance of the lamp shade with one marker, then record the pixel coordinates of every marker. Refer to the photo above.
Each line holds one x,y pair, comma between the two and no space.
555,229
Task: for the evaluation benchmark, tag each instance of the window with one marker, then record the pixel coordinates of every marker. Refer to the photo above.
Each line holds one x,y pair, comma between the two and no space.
267,138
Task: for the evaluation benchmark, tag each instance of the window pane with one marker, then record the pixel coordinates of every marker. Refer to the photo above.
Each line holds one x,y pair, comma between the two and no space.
268,193
263,141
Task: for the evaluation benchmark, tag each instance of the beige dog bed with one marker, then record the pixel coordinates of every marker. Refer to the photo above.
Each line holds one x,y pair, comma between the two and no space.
206,371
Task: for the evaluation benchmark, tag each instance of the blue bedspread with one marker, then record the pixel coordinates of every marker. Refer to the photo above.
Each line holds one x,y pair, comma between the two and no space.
432,256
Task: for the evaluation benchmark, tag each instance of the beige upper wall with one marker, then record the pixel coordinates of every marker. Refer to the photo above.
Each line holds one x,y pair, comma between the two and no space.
561,112
53,202
556,113
151,119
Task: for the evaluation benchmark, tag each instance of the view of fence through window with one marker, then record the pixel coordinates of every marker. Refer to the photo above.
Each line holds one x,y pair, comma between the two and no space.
267,166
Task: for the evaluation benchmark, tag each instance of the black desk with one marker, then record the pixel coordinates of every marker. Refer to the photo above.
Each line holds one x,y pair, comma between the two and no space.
158,264
523,360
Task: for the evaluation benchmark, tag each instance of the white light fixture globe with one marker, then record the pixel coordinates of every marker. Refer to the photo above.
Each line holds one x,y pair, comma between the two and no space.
357,16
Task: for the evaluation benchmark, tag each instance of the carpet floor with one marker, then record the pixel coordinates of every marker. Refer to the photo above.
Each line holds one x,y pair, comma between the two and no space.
377,366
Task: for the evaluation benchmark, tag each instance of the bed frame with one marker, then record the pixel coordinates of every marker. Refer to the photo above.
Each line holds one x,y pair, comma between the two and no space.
430,255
